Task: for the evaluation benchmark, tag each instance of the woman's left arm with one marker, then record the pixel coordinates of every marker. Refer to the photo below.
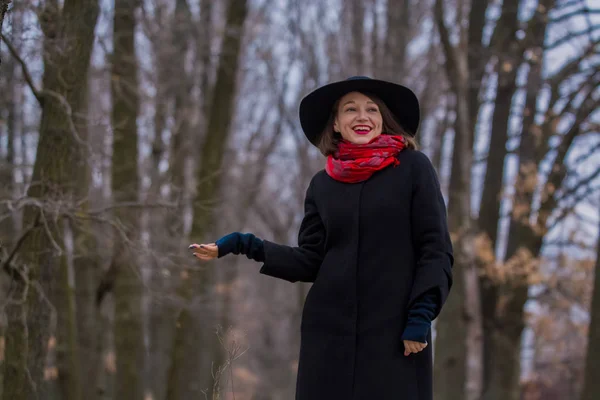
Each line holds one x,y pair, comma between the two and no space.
430,237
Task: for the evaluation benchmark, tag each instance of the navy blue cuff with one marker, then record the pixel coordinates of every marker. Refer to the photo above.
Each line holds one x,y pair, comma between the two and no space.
420,316
241,243
416,331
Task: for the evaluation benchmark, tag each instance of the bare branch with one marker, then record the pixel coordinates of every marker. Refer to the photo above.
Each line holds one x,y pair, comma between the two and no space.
570,36
581,183
566,211
584,157
582,11
449,50
571,67
558,169
132,204
36,92
3,10
6,264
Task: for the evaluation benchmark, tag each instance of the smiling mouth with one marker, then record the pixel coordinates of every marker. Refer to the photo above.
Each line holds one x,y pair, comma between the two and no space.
362,129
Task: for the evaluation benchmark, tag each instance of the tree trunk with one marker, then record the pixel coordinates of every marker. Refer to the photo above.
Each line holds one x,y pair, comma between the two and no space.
3,9
450,371
477,56
504,325
450,368
129,338
170,243
505,47
9,106
86,267
591,385
357,42
184,383
69,37
8,228
398,26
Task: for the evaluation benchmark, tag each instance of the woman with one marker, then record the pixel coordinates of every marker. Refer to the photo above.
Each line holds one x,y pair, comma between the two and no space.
374,241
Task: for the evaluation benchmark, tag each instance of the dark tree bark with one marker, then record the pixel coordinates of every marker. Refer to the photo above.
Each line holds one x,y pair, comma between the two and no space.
525,239
129,339
174,86
8,228
450,368
184,382
69,35
356,10
506,48
9,112
87,268
396,40
591,386
3,10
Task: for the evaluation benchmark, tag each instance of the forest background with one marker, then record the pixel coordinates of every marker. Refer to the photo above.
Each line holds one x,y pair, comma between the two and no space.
131,128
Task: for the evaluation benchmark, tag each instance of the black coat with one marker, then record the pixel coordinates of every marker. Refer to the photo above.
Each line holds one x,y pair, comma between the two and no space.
371,249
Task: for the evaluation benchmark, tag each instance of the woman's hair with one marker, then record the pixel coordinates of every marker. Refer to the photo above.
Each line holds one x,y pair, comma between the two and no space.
328,143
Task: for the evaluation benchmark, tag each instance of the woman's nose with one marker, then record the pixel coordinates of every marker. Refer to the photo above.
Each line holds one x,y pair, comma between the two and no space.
362,115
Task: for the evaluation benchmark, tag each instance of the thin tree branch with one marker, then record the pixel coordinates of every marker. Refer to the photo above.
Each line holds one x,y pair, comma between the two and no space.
582,11
584,157
566,211
581,183
449,50
570,36
36,92
131,204
6,264
3,10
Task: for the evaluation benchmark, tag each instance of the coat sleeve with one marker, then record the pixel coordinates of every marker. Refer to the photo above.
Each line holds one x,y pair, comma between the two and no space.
299,263
430,235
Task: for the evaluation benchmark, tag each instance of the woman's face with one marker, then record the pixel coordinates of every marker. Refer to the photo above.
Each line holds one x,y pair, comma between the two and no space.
358,119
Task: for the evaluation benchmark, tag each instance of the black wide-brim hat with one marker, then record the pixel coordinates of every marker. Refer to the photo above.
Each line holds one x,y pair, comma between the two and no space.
317,106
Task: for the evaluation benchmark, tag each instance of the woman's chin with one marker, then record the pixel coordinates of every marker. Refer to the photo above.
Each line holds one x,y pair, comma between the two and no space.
361,139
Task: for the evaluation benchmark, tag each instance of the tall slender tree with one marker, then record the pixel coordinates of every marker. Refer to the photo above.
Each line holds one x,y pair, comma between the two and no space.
129,340
450,367
3,10
591,386
509,53
209,173
44,274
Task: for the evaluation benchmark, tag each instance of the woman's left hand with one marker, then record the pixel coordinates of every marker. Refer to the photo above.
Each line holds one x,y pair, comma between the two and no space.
413,347
205,252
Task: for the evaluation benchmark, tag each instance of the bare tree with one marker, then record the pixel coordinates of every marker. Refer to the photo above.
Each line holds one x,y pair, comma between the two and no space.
451,360
591,387
125,187
43,273
209,180
3,9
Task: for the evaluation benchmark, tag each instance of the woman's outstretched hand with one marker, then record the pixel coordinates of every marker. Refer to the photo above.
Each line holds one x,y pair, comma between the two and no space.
205,252
413,347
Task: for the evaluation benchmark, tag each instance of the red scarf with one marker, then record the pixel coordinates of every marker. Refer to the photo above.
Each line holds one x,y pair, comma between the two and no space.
353,163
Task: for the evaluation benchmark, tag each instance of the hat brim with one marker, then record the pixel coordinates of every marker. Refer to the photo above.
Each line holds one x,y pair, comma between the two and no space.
317,106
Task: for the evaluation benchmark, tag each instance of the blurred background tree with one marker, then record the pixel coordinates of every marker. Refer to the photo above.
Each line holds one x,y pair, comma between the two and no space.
131,128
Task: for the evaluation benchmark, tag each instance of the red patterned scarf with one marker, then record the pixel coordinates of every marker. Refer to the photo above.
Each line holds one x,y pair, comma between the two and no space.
357,162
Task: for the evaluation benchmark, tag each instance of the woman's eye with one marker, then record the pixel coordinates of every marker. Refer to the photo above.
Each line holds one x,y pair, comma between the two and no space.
350,109
372,110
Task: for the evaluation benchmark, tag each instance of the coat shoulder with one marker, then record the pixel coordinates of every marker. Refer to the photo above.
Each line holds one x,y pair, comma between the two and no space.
319,178
416,157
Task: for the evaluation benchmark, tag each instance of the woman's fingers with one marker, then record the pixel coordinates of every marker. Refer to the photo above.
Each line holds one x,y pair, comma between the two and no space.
413,347
205,251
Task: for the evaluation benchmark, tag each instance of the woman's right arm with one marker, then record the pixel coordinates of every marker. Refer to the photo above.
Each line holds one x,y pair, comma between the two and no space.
302,262
299,263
